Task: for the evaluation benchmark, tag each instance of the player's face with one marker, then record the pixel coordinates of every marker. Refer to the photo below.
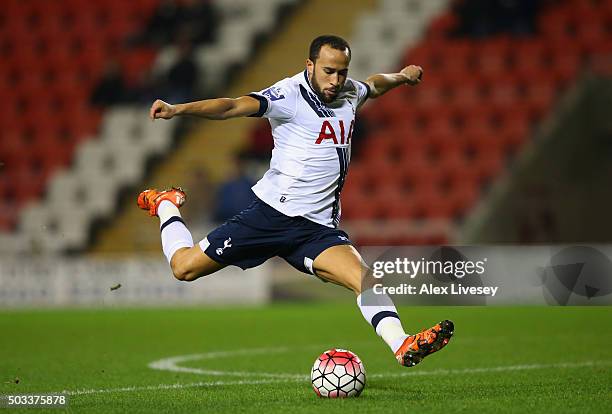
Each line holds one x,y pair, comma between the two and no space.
328,73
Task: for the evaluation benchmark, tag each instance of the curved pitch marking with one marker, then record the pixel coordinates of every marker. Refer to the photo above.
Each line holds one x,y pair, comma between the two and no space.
172,364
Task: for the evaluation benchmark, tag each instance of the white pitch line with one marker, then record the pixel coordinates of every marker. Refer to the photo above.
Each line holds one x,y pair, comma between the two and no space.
172,363
305,378
172,386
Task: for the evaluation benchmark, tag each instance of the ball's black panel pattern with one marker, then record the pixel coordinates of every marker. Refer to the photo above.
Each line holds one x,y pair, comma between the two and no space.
338,373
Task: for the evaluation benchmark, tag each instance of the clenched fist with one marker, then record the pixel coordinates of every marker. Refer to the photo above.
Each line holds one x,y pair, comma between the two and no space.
413,74
161,109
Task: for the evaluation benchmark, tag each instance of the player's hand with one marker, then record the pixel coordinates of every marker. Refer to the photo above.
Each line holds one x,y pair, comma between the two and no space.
413,74
161,109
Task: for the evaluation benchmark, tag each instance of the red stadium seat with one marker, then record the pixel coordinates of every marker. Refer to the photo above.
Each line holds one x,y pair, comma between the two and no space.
361,208
529,57
444,143
390,107
591,33
359,180
430,203
540,95
556,24
483,146
381,170
505,92
493,57
600,57
403,209
52,52
488,165
28,186
14,150
136,63
415,176
513,141
565,61
455,171
381,147
462,198
8,217
455,58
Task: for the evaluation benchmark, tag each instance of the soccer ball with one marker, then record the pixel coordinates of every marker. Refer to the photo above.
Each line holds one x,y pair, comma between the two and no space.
338,373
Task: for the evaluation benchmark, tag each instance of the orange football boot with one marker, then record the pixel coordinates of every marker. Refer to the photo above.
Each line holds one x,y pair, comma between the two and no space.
150,199
416,347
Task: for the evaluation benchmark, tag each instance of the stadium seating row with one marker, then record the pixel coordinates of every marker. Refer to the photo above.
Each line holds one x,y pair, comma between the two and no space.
432,149
53,52
112,147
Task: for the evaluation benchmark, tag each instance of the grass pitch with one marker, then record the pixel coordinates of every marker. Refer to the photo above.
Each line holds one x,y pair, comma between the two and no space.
537,359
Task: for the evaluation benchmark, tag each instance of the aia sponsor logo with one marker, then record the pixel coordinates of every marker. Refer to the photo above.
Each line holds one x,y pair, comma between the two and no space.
328,132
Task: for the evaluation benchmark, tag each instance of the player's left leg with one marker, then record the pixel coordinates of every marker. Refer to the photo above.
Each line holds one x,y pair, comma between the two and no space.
343,265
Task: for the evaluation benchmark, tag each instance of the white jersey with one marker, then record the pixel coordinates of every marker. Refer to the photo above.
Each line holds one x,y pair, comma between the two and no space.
312,142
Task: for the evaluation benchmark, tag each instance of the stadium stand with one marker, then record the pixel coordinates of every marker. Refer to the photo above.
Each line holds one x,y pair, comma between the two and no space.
436,148
428,156
60,146
52,54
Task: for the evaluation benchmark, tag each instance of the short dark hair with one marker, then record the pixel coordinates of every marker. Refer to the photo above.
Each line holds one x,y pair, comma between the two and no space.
335,42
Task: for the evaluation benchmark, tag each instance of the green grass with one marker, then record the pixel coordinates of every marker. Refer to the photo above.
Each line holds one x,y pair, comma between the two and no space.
108,349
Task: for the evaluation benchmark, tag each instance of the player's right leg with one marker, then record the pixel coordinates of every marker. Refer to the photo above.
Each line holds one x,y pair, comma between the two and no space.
188,262
343,265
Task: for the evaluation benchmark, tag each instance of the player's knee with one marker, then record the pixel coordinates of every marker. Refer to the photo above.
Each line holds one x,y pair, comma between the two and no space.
187,265
354,283
349,278
181,269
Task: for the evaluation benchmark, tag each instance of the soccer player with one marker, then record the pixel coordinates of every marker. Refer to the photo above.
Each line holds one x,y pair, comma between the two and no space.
297,210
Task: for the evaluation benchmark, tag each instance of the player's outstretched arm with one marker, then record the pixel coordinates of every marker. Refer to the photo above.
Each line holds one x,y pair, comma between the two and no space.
220,108
384,82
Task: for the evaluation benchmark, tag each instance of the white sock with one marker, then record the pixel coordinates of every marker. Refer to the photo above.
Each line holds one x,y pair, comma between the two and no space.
165,210
174,233
380,312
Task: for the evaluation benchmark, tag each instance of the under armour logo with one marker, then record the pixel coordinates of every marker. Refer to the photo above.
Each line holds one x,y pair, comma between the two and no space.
283,199
343,238
227,243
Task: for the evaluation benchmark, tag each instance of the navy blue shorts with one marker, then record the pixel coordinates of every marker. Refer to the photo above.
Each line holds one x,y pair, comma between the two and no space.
260,232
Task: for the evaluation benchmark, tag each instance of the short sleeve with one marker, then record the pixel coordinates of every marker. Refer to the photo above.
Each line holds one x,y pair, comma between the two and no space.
276,102
363,91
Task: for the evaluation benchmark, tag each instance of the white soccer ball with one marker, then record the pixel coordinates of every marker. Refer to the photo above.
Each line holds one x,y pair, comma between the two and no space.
338,373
